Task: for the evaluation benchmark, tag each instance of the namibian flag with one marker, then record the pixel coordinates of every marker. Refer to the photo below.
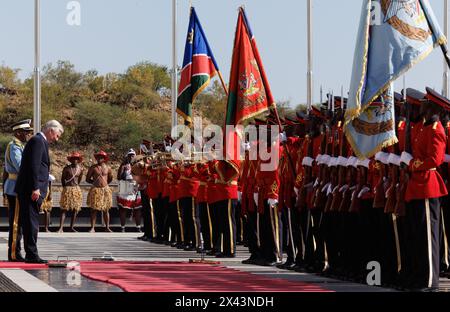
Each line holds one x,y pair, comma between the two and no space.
199,66
249,90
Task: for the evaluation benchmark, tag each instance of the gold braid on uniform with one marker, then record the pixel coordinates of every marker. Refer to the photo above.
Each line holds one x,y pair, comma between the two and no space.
71,198
100,198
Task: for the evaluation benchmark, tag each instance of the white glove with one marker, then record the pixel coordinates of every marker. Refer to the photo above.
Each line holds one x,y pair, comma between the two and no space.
272,202
239,196
255,198
316,183
283,137
364,190
168,149
51,178
296,191
329,190
326,187
247,146
307,161
343,188
447,158
406,158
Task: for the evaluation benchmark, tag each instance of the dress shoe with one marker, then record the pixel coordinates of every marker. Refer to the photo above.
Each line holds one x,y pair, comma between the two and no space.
189,248
143,237
224,255
19,258
249,261
425,289
271,263
37,260
211,253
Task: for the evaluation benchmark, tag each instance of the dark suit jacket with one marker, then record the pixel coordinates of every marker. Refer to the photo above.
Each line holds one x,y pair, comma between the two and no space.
34,168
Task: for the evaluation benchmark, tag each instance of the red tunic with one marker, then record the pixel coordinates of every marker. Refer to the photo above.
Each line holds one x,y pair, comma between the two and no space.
226,183
202,174
188,183
428,151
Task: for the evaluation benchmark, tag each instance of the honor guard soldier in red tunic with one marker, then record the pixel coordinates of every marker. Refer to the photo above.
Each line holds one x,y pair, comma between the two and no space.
425,187
268,183
287,195
188,188
223,207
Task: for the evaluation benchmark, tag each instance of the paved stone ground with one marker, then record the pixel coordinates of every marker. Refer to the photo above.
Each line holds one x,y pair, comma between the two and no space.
125,246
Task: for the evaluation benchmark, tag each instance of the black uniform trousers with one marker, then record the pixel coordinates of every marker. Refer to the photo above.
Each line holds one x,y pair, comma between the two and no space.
191,221
206,225
159,215
305,255
224,220
165,220
445,234
251,229
146,214
175,219
239,224
15,231
271,238
422,222
294,243
29,221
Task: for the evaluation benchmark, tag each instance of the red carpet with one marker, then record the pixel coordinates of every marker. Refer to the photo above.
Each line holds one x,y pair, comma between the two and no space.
21,265
187,277
177,277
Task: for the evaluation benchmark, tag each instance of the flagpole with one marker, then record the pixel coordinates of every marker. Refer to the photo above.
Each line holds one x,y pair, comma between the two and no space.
37,70
174,64
310,56
223,82
445,89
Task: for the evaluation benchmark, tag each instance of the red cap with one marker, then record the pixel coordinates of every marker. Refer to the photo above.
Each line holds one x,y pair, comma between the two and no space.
75,155
102,154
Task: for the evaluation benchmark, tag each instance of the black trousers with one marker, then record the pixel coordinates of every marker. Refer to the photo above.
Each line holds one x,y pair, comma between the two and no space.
15,231
191,221
271,238
206,225
165,219
224,220
239,224
444,232
29,221
146,214
305,254
175,221
159,214
422,222
251,229
294,242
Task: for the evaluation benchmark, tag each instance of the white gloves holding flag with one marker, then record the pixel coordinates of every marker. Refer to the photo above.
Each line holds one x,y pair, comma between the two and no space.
272,202
239,196
296,191
255,198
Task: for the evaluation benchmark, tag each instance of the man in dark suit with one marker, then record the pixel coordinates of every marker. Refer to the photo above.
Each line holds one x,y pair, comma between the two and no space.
32,185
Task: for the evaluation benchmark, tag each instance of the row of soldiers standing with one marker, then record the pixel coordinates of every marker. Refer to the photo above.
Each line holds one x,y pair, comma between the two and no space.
329,211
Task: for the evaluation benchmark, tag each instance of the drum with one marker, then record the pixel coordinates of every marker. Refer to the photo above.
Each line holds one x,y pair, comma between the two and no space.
126,188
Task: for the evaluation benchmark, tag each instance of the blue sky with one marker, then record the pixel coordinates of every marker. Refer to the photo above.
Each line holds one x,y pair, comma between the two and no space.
115,34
